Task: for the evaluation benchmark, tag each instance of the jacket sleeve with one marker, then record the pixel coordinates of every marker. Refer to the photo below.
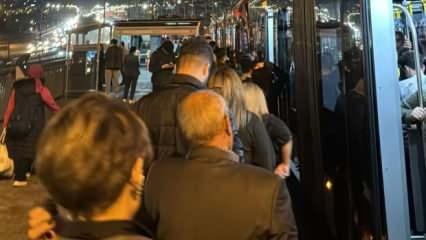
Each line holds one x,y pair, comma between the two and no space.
263,151
47,98
9,109
408,106
283,224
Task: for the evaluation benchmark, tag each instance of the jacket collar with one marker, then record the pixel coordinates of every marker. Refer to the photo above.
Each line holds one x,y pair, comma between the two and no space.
101,230
183,79
212,154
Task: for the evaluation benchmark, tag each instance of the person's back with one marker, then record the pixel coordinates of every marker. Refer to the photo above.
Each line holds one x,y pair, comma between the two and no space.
258,147
209,196
114,58
158,109
131,65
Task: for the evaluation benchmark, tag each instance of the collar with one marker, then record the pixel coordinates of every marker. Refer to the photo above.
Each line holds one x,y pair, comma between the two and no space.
183,79
100,230
207,153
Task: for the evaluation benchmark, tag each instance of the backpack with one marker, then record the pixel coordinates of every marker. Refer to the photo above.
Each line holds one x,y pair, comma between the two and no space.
22,120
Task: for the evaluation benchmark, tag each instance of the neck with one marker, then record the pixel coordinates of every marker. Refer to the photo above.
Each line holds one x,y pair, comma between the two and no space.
189,73
121,210
220,143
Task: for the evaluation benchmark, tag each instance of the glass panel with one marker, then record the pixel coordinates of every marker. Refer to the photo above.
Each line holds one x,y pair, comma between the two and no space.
344,119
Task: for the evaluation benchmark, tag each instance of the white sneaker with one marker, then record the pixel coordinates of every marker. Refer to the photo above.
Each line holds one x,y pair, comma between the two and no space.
20,183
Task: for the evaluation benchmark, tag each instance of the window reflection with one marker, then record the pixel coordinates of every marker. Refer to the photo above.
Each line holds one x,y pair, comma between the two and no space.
344,117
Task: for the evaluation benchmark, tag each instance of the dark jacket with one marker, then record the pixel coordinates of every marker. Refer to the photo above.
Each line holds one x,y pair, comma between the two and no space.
131,66
114,58
26,95
158,110
111,230
258,148
161,77
278,131
209,195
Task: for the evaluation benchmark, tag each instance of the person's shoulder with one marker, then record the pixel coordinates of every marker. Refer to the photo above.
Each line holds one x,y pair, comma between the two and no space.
129,237
257,174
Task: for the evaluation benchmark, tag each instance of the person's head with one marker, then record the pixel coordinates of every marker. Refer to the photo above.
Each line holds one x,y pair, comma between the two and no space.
168,46
221,55
227,83
196,59
254,99
247,65
407,63
114,42
123,44
35,71
203,118
212,44
132,50
91,157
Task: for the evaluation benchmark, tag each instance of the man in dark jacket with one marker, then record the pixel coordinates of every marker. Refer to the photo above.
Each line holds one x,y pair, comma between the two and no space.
158,109
209,195
131,73
113,65
161,65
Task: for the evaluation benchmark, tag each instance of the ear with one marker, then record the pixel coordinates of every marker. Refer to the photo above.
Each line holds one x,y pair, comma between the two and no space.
137,176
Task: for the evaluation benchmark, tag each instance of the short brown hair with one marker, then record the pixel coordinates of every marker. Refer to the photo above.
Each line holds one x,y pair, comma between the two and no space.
87,152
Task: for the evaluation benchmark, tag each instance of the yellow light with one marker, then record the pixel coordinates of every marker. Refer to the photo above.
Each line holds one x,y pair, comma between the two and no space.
329,185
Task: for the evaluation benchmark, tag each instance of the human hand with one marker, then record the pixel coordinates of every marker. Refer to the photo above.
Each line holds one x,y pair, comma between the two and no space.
40,225
418,114
282,170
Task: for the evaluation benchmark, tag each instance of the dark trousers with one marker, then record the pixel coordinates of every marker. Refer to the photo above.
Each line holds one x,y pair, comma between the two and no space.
22,167
130,83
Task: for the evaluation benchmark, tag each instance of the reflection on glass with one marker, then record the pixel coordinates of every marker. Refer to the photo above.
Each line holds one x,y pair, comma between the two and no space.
344,118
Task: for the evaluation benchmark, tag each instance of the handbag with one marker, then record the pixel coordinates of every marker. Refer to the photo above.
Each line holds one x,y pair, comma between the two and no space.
6,164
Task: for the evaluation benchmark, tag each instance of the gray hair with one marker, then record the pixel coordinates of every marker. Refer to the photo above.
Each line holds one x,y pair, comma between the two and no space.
201,116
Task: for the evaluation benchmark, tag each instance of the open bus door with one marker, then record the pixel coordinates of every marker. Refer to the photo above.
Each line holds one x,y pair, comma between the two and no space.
415,134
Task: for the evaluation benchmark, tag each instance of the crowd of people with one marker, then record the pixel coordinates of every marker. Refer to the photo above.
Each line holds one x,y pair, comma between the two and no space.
200,157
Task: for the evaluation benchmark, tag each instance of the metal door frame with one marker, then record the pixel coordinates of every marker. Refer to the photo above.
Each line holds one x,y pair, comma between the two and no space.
384,91
390,191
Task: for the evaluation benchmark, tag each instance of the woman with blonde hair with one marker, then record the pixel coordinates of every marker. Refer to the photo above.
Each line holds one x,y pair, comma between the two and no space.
256,144
255,101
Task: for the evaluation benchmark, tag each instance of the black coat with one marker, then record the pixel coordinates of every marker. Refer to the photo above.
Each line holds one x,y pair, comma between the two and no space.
257,145
109,230
210,196
26,94
159,111
131,66
161,77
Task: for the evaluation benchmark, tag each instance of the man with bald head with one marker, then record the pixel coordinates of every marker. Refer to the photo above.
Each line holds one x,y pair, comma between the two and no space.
208,194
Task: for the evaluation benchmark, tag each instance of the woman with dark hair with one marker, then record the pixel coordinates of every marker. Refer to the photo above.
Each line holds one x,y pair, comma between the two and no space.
24,119
131,73
161,65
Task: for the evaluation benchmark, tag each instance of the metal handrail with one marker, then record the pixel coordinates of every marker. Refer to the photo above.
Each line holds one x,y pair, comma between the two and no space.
413,31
